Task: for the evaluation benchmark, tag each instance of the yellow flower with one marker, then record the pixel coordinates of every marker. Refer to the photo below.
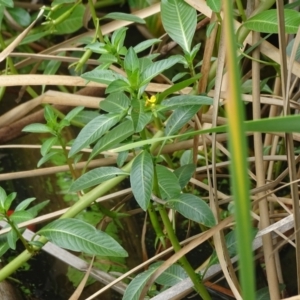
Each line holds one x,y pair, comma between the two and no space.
151,102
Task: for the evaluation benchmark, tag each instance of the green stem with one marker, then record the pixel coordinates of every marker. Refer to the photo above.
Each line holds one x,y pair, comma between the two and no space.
241,10
155,224
199,286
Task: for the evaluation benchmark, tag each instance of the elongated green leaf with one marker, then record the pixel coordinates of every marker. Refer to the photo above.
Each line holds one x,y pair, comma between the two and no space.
2,197
215,5
113,137
180,117
184,100
8,201
48,144
193,208
93,131
158,67
267,22
20,15
47,157
86,116
24,204
102,76
184,174
21,216
139,116
287,124
125,17
145,44
72,23
95,177
115,103
167,182
135,287
179,20
7,3
34,210
4,247
12,238
37,128
173,275
119,85
141,179
131,61
73,113
76,235
178,86
118,37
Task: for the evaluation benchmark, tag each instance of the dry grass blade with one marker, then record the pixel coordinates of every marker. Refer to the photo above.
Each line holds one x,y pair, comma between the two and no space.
80,287
15,43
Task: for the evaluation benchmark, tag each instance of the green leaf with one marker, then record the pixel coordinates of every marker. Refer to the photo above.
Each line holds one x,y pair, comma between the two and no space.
214,5
24,204
7,3
140,120
93,131
86,116
180,117
34,210
125,17
135,287
141,178
97,47
185,100
55,2
8,201
4,247
12,238
167,183
46,146
95,177
76,235
173,275
139,117
115,103
2,197
118,37
20,15
131,61
119,85
186,157
178,86
157,68
102,76
50,115
267,22
72,23
287,124
108,57
47,157
184,174
122,156
179,20
73,113
30,38
145,44
193,208
38,128
52,66
113,137
21,216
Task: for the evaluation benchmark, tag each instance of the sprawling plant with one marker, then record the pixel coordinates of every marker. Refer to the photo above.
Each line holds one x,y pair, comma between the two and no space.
138,125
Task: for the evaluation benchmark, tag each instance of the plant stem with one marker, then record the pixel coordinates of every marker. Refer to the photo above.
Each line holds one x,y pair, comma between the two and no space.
199,286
